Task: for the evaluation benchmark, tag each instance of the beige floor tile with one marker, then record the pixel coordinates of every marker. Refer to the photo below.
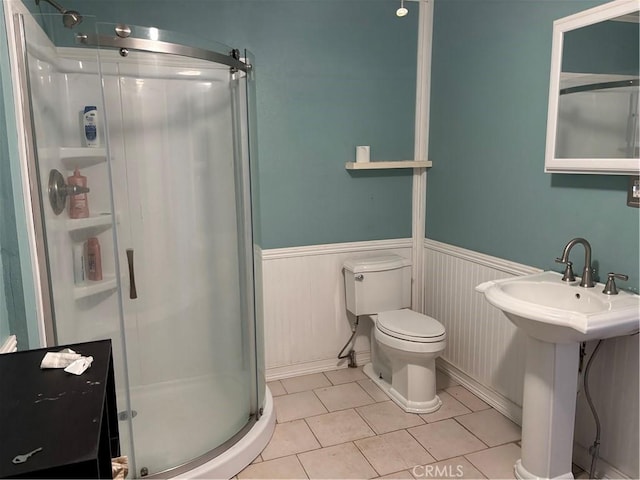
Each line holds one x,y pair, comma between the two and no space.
339,427
373,390
286,467
387,416
458,467
276,388
403,475
496,462
341,397
444,381
446,439
340,461
345,375
289,438
491,427
467,398
450,408
297,405
305,382
393,452
258,459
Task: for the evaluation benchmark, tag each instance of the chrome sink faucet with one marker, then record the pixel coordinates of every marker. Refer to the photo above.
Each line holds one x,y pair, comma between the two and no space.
587,272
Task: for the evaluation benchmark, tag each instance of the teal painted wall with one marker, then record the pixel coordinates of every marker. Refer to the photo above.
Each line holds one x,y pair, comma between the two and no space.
331,74
606,47
487,190
17,294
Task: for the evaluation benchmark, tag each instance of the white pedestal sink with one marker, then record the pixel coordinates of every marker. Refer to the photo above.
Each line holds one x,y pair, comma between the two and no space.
556,316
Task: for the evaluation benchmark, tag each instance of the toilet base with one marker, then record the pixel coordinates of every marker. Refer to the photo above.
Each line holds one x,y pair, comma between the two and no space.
407,405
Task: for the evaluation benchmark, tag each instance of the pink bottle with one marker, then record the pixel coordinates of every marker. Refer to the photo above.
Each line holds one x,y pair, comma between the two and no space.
94,259
78,204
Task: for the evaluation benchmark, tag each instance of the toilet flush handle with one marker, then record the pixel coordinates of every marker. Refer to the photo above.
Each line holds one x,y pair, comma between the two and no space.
359,276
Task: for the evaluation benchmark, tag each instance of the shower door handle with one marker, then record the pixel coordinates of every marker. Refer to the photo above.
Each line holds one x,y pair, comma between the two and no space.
132,276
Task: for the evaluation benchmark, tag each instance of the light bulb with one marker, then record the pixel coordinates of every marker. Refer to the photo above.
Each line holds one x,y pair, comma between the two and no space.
401,12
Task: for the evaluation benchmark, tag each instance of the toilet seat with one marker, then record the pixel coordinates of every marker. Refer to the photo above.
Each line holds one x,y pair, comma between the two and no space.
410,326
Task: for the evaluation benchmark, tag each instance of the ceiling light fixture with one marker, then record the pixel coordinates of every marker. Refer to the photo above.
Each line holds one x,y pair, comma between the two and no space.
401,12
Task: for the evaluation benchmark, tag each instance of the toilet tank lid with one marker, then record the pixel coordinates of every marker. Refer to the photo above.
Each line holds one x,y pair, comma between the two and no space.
376,264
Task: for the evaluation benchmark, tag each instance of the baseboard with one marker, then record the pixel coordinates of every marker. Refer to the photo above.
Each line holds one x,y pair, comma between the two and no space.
318,366
582,458
490,396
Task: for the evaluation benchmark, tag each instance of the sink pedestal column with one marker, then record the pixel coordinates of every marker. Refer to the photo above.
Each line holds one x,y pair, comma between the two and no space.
548,410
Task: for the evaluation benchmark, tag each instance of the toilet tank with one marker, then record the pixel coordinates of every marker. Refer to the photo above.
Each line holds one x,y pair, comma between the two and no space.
377,284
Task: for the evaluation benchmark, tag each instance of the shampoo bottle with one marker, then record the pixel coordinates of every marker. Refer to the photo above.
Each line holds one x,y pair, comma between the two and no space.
90,123
94,260
78,204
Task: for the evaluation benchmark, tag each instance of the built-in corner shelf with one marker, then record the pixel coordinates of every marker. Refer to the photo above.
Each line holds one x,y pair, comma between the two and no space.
387,165
81,224
82,157
90,288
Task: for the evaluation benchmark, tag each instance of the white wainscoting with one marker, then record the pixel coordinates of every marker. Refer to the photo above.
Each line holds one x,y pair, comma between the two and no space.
306,321
485,353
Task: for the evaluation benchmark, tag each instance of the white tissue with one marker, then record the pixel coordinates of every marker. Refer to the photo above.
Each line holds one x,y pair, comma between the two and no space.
362,154
79,366
60,359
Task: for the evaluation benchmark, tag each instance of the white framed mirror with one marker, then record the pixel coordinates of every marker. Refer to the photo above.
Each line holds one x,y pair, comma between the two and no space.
592,123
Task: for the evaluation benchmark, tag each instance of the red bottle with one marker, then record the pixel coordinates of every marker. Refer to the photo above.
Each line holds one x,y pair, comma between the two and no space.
78,204
94,259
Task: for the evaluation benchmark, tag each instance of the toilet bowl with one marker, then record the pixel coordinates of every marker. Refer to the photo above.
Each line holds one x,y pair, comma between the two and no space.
405,344
411,342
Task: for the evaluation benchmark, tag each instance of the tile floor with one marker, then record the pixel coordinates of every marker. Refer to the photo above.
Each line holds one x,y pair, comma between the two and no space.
339,425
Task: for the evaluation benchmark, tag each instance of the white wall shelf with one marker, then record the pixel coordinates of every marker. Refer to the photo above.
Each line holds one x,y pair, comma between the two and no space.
90,288
82,157
387,165
80,224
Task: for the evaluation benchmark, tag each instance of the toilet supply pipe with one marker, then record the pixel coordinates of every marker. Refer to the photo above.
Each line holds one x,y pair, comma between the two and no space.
351,355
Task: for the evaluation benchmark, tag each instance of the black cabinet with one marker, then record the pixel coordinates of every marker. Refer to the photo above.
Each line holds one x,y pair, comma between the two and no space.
73,418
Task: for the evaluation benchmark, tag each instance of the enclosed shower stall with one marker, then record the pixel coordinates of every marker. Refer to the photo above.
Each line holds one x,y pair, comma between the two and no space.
170,203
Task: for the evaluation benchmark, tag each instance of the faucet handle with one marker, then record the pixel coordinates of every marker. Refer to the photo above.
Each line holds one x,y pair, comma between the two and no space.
610,288
568,276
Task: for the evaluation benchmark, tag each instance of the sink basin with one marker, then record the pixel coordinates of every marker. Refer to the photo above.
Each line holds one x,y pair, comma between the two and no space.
556,316
554,311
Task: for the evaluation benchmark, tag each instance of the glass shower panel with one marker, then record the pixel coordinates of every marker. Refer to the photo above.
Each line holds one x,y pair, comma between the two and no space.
178,188
59,85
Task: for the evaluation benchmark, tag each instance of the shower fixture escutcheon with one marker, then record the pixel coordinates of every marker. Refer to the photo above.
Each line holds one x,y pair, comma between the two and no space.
59,190
70,18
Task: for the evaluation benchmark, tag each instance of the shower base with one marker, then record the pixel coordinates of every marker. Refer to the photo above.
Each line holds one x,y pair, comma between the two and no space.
167,410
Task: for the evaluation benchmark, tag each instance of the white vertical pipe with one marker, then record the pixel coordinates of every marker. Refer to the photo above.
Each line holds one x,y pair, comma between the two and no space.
421,149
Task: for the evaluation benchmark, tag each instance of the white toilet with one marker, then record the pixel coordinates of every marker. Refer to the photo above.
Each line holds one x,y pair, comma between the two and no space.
405,344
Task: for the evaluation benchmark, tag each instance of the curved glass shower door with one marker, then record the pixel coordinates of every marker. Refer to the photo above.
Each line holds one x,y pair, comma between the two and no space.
179,165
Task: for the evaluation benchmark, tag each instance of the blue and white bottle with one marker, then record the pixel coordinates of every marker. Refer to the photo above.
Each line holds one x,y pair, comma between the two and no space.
91,126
